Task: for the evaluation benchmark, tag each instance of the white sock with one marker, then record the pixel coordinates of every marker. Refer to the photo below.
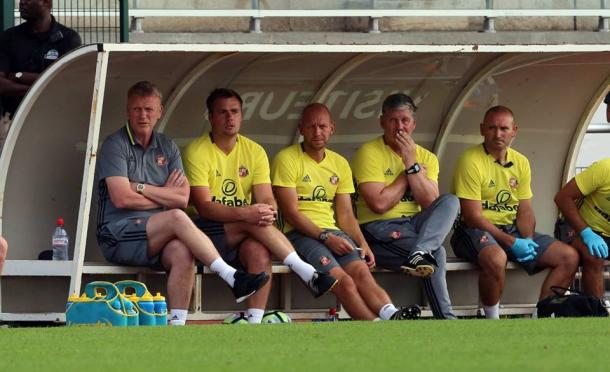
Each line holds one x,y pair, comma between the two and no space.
492,312
226,272
387,311
255,316
301,268
177,317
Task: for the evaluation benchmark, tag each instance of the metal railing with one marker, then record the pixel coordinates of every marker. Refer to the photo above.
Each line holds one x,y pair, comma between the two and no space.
376,10
96,21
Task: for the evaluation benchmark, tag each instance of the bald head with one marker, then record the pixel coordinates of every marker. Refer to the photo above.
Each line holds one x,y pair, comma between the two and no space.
498,110
316,126
315,109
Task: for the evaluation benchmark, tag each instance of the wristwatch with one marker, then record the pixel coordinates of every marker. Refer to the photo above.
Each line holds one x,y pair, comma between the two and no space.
415,168
18,75
140,188
323,237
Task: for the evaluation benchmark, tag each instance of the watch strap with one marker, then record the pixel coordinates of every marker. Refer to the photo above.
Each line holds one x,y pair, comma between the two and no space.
415,168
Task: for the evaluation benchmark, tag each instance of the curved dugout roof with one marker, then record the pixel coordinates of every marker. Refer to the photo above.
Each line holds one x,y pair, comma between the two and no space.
46,166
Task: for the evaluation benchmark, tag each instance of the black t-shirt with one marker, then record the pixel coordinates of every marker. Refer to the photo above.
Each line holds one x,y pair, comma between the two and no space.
24,51
607,99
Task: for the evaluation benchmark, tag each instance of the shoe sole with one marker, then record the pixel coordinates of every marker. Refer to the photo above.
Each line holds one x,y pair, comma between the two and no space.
328,290
421,271
242,298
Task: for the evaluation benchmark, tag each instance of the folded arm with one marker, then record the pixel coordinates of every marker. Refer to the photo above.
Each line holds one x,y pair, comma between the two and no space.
173,194
9,86
258,214
381,198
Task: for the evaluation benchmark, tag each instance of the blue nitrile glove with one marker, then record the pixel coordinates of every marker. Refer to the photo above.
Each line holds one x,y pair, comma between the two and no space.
524,249
595,243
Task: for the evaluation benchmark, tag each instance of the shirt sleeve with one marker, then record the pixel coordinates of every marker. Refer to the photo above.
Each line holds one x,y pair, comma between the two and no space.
196,169
175,161
366,170
112,160
432,167
466,180
74,41
607,99
593,178
284,171
261,170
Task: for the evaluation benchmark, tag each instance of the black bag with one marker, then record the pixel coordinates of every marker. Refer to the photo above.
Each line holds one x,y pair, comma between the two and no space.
575,304
563,231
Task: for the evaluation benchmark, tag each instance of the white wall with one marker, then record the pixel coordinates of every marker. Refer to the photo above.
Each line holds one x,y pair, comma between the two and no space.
595,146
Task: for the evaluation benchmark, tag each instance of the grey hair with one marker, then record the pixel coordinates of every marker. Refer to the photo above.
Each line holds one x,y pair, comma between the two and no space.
398,101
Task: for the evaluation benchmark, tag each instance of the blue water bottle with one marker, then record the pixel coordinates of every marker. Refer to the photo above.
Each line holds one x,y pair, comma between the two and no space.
116,305
160,309
130,311
147,310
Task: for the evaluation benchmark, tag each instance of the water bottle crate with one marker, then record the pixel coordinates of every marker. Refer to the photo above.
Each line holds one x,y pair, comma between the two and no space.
125,303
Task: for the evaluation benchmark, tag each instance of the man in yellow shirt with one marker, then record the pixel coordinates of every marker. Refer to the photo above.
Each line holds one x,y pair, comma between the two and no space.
227,172
313,185
493,183
590,218
401,214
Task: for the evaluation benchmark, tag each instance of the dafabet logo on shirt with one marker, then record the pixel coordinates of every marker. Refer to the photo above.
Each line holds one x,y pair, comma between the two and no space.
229,189
319,193
501,204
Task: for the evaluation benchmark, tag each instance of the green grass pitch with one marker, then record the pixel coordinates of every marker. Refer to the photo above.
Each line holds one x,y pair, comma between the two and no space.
581,345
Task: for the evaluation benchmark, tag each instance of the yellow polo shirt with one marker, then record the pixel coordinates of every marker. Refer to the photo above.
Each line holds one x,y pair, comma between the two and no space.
499,188
316,183
377,162
230,177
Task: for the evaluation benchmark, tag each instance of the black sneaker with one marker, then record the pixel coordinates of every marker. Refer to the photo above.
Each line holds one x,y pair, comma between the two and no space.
247,284
407,313
419,264
321,283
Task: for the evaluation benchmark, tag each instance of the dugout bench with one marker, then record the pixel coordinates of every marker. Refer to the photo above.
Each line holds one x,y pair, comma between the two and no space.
48,161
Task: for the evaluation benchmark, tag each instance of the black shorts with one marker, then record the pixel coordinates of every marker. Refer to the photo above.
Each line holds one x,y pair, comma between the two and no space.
319,255
125,242
467,243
